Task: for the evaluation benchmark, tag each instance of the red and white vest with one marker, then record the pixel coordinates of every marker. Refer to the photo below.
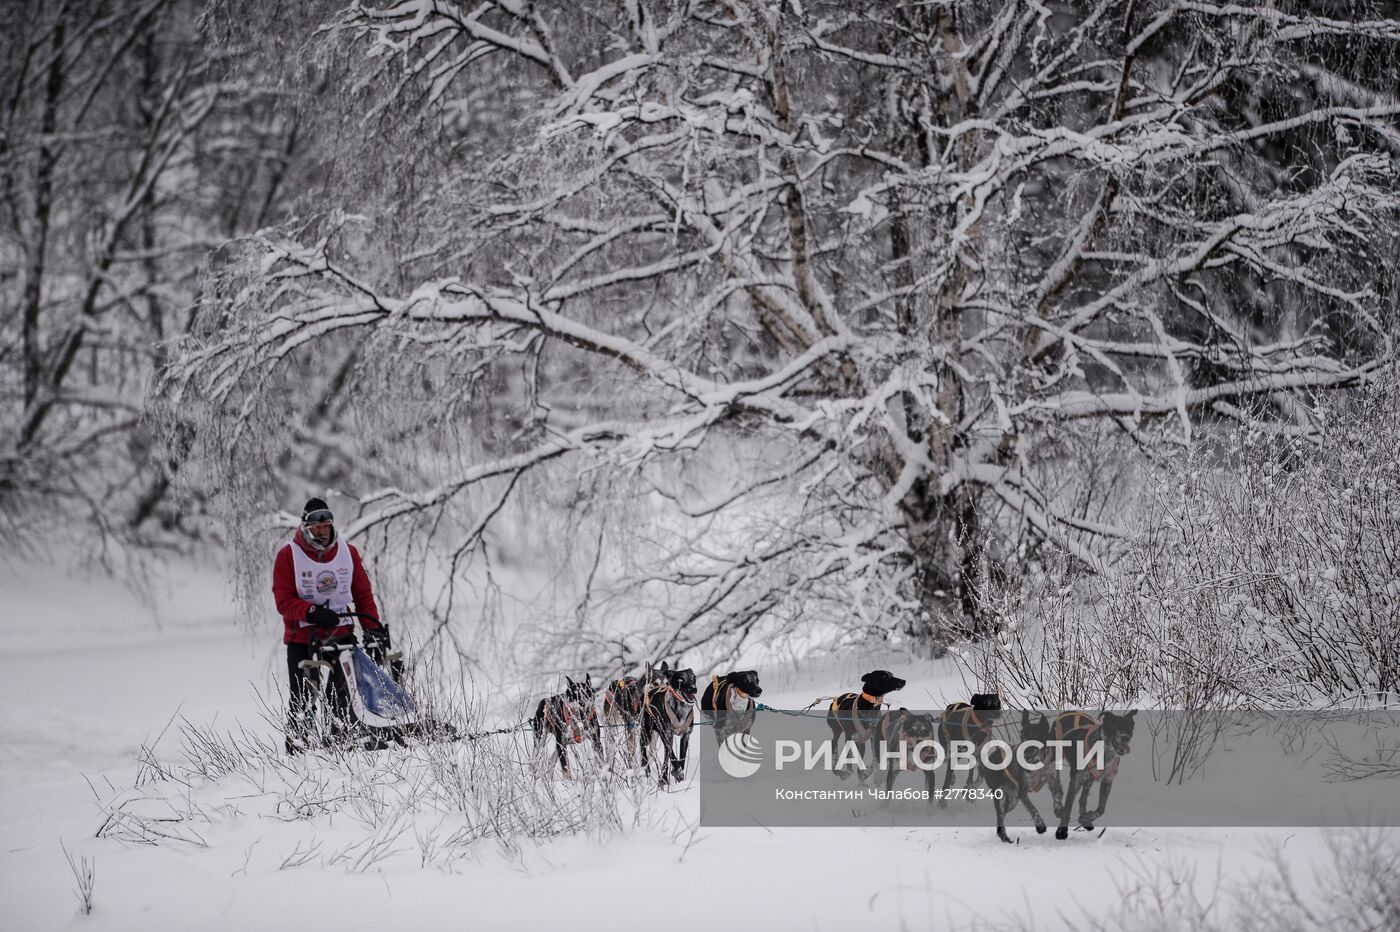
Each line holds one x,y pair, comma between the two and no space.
324,583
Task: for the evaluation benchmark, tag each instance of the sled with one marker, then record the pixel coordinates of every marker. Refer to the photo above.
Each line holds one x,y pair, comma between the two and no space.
358,696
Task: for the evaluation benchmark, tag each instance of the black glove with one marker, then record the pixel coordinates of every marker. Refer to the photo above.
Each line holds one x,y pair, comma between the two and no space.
322,617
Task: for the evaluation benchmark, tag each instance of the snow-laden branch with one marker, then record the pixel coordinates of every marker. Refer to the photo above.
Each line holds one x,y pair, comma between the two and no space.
924,254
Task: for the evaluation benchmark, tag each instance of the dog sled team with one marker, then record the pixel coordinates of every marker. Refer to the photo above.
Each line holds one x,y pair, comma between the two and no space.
657,708
345,688
656,711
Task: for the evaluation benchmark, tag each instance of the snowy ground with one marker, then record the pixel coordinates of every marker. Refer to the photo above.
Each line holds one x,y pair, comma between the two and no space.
88,675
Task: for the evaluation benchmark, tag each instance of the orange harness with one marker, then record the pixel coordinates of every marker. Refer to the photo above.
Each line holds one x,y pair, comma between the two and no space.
612,700
1084,728
967,721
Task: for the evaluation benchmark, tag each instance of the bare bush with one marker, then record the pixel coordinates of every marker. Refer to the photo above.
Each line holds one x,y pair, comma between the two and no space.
431,801
1266,576
1352,890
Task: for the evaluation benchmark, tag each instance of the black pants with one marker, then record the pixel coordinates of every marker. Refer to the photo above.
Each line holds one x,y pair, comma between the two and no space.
301,690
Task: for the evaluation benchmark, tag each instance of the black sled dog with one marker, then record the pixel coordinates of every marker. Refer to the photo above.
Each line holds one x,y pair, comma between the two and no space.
623,706
912,735
854,716
569,717
1116,734
1013,784
669,715
729,701
970,722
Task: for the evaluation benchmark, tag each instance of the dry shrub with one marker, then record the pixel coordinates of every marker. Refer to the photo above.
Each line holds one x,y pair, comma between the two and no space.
1264,576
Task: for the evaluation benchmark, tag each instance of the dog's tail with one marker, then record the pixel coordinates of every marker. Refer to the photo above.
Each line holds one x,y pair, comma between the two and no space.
537,722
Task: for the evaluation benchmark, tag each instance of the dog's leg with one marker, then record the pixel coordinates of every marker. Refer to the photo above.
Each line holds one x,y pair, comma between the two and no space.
681,758
1056,792
1025,798
612,742
948,779
537,723
1088,785
598,741
656,734
668,761
1001,806
837,732
874,766
561,746
1105,787
1063,812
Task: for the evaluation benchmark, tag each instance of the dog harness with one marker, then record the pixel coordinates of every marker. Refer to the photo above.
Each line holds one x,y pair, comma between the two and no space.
612,699
861,719
893,730
721,690
967,721
1083,727
570,721
680,722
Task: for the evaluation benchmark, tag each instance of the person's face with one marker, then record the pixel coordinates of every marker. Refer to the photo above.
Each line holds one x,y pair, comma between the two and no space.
318,526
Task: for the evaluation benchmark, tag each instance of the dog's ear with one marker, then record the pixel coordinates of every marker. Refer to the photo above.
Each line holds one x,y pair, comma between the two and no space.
588,680
1131,713
665,666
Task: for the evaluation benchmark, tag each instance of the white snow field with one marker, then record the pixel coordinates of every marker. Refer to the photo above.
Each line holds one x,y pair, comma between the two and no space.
88,675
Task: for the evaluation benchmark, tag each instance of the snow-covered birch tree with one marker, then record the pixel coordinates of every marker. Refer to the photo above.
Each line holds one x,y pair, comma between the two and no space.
124,158
835,288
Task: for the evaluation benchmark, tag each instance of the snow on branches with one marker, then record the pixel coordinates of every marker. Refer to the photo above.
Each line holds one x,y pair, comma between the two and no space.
866,269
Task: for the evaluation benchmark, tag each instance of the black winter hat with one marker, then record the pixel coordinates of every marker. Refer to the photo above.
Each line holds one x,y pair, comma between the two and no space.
314,504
